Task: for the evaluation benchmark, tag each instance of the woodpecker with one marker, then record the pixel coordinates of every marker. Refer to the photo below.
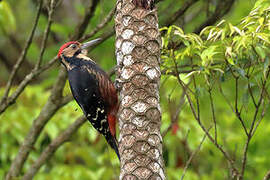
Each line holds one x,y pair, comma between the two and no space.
92,89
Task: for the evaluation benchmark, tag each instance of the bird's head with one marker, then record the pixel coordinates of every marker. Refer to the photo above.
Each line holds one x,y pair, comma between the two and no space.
69,49
73,49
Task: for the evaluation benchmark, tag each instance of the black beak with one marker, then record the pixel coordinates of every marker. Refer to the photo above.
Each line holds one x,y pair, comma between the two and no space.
90,43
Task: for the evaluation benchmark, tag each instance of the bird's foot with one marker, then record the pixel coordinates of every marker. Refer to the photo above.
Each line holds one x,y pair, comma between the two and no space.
118,84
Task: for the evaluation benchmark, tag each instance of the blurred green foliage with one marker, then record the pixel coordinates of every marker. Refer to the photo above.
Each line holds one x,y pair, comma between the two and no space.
7,19
214,59
87,156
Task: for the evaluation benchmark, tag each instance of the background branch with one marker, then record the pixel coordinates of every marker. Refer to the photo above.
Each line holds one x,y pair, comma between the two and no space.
222,8
52,105
267,176
81,28
192,156
180,12
20,60
52,147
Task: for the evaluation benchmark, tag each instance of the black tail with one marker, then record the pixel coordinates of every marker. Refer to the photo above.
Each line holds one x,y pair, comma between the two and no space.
113,143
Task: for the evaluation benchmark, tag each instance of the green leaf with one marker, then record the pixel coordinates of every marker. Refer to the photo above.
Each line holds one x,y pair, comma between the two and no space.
7,19
264,37
231,29
259,50
230,60
265,66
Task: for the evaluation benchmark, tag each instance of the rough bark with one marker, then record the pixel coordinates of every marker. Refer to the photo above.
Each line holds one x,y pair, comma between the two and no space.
138,46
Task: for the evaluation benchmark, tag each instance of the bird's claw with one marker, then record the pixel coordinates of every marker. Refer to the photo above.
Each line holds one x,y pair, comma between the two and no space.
118,84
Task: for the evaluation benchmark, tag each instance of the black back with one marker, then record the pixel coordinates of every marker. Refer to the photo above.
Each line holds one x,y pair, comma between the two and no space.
85,89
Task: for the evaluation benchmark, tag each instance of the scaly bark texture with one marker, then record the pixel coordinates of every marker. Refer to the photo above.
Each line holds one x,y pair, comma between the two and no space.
138,46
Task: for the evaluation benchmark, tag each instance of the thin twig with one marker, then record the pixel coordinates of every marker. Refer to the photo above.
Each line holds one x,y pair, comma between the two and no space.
46,33
267,176
213,112
222,8
252,130
100,26
176,115
251,94
197,117
22,56
233,110
259,121
192,156
197,100
81,28
180,12
52,105
238,114
10,100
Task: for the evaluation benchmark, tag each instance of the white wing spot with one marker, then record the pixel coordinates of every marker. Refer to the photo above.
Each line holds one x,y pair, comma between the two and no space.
103,121
98,109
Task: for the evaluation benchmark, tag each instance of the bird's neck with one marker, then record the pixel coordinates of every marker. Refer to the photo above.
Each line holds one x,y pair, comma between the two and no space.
76,61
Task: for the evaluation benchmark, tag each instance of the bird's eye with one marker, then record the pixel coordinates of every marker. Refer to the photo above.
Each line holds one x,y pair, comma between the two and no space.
73,46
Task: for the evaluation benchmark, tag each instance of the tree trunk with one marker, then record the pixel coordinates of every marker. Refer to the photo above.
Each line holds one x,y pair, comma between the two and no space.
138,46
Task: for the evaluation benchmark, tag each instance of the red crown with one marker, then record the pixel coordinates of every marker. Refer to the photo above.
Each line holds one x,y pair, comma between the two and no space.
66,45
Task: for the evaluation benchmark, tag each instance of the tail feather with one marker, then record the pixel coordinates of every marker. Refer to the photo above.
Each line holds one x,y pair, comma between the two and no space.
113,143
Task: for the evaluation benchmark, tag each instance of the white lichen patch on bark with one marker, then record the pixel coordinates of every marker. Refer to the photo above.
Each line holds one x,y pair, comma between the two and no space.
126,20
126,101
153,101
139,121
127,47
126,73
152,73
153,140
154,153
155,167
139,107
128,60
127,33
